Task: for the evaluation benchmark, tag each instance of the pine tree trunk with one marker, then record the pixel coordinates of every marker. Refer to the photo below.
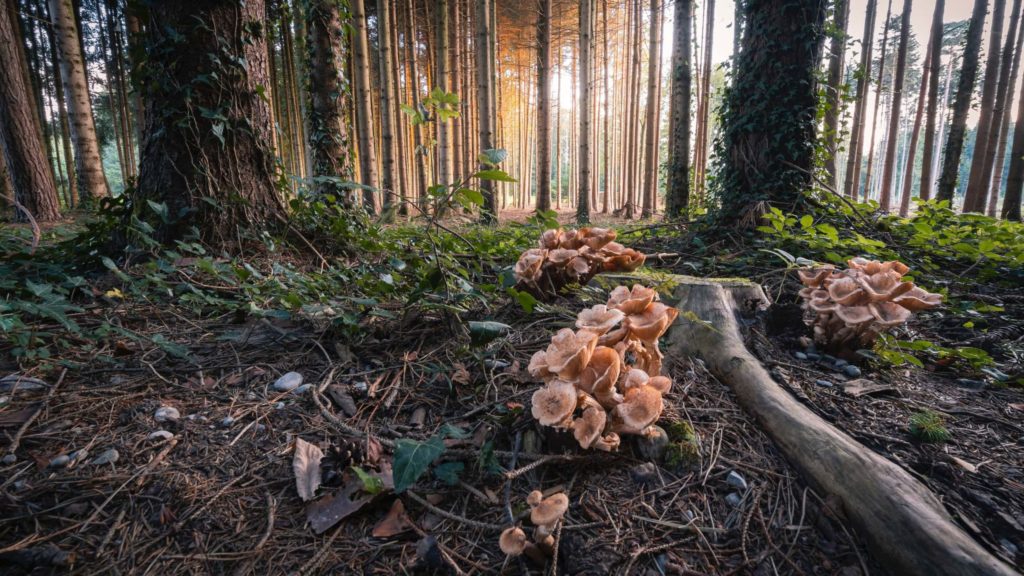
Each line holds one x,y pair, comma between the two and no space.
1007,78
1004,128
934,65
835,90
851,181
889,167
485,99
908,170
650,187
135,49
962,104
606,139
444,150
364,106
92,183
1015,179
387,104
704,104
20,133
65,125
678,197
544,106
874,117
216,174
981,160
585,103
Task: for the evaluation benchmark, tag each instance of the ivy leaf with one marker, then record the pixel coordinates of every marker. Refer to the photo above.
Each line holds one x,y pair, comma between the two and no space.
482,332
412,459
449,472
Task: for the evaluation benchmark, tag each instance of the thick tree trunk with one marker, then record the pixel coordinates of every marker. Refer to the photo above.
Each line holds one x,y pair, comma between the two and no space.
889,167
20,133
585,103
544,106
981,160
962,104
364,105
387,104
1000,113
135,49
65,125
934,65
650,187
835,90
329,139
216,174
904,524
678,196
768,133
92,183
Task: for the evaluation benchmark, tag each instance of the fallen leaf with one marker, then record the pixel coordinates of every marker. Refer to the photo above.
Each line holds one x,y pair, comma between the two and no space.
306,465
396,522
461,375
15,418
330,510
373,452
412,459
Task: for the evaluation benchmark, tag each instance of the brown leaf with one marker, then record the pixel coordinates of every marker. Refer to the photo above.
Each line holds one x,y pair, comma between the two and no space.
461,375
306,465
373,451
14,418
330,510
396,522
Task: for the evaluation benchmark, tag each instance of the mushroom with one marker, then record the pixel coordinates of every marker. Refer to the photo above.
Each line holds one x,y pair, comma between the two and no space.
528,268
597,238
608,443
546,512
662,384
569,352
601,374
813,277
561,255
649,325
513,541
553,404
599,319
632,301
588,427
917,299
571,239
538,367
641,407
551,239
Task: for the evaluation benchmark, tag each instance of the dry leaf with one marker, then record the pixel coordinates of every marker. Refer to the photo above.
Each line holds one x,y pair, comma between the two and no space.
330,510
306,464
461,375
396,522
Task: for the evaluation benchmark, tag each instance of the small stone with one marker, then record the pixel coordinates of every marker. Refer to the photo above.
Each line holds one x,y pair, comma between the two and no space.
4,401
652,444
734,499
840,363
799,355
851,371
824,383
167,414
302,389
813,356
107,457
9,459
360,387
226,422
645,475
260,428
60,461
288,382
829,358
970,384
160,435
736,481
279,406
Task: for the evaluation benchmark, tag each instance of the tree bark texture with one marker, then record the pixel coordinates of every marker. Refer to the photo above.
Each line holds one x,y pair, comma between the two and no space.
585,103
835,89
650,186
544,106
931,114
678,196
364,105
889,166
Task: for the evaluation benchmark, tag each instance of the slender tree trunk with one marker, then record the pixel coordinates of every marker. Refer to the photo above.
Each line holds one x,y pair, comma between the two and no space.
934,59
650,187
453,84
908,169
216,174
1007,78
889,167
835,90
1004,128
586,54
444,163
92,183
363,105
981,160
704,104
387,103
1015,179
485,99
851,182
544,106
962,104
678,197
558,131
878,98
606,110
65,126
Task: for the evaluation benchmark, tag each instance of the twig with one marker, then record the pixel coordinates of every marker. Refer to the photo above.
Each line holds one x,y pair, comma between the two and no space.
24,427
454,517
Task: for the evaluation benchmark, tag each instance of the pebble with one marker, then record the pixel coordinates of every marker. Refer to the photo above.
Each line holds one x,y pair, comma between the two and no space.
9,459
107,457
736,481
160,435
288,382
851,371
279,406
302,389
829,358
361,387
227,422
840,363
4,401
813,356
60,461
970,384
733,499
824,383
800,355
652,445
167,414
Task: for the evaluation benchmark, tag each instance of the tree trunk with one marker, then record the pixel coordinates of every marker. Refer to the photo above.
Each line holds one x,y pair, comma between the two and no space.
878,98
586,54
650,186
908,168
364,105
387,103
65,125
678,196
962,104
1007,78
934,65
835,90
768,133
216,174
544,106
444,163
485,100
1004,127
981,160
92,183
135,50
704,104
889,167
20,133
851,180
329,138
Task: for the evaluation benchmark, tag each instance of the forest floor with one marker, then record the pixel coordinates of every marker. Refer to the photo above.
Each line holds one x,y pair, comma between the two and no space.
217,494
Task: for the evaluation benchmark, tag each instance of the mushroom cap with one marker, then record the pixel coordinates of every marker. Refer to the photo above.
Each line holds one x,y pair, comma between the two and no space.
551,239
602,372
538,367
561,255
917,299
599,319
597,238
529,265
631,301
549,510
608,443
571,239
814,277
889,314
553,403
534,498
513,541
569,352
634,378
589,426
641,408
853,315
883,286
662,384
652,323
627,261
846,290
578,266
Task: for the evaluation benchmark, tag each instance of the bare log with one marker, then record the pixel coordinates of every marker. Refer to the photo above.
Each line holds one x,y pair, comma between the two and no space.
904,524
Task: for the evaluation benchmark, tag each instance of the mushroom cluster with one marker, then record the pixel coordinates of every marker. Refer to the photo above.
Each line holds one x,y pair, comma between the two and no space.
572,257
545,514
604,378
849,308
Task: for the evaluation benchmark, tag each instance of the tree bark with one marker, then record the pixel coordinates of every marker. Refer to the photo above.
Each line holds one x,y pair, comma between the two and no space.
544,106
1007,77
387,103
981,160
677,199
585,103
962,104
878,98
444,163
934,65
650,187
908,167
485,100
92,182
1004,126
364,106
704,104
835,90
20,134
1015,179
889,167
65,125
216,174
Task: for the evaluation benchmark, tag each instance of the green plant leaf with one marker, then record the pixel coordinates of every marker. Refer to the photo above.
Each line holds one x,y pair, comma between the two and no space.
371,484
412,459
449,472
482,332
495,175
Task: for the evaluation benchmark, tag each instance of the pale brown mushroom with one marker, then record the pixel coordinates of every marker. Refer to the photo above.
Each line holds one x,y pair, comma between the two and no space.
813,277
601,374
561,255
571,239
608,443
528,268
641,407
662,384
551,239
588,427
513,541
650,324
917,299
569,352
538,367
599,319
553,404
632,301
597,238
546,512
